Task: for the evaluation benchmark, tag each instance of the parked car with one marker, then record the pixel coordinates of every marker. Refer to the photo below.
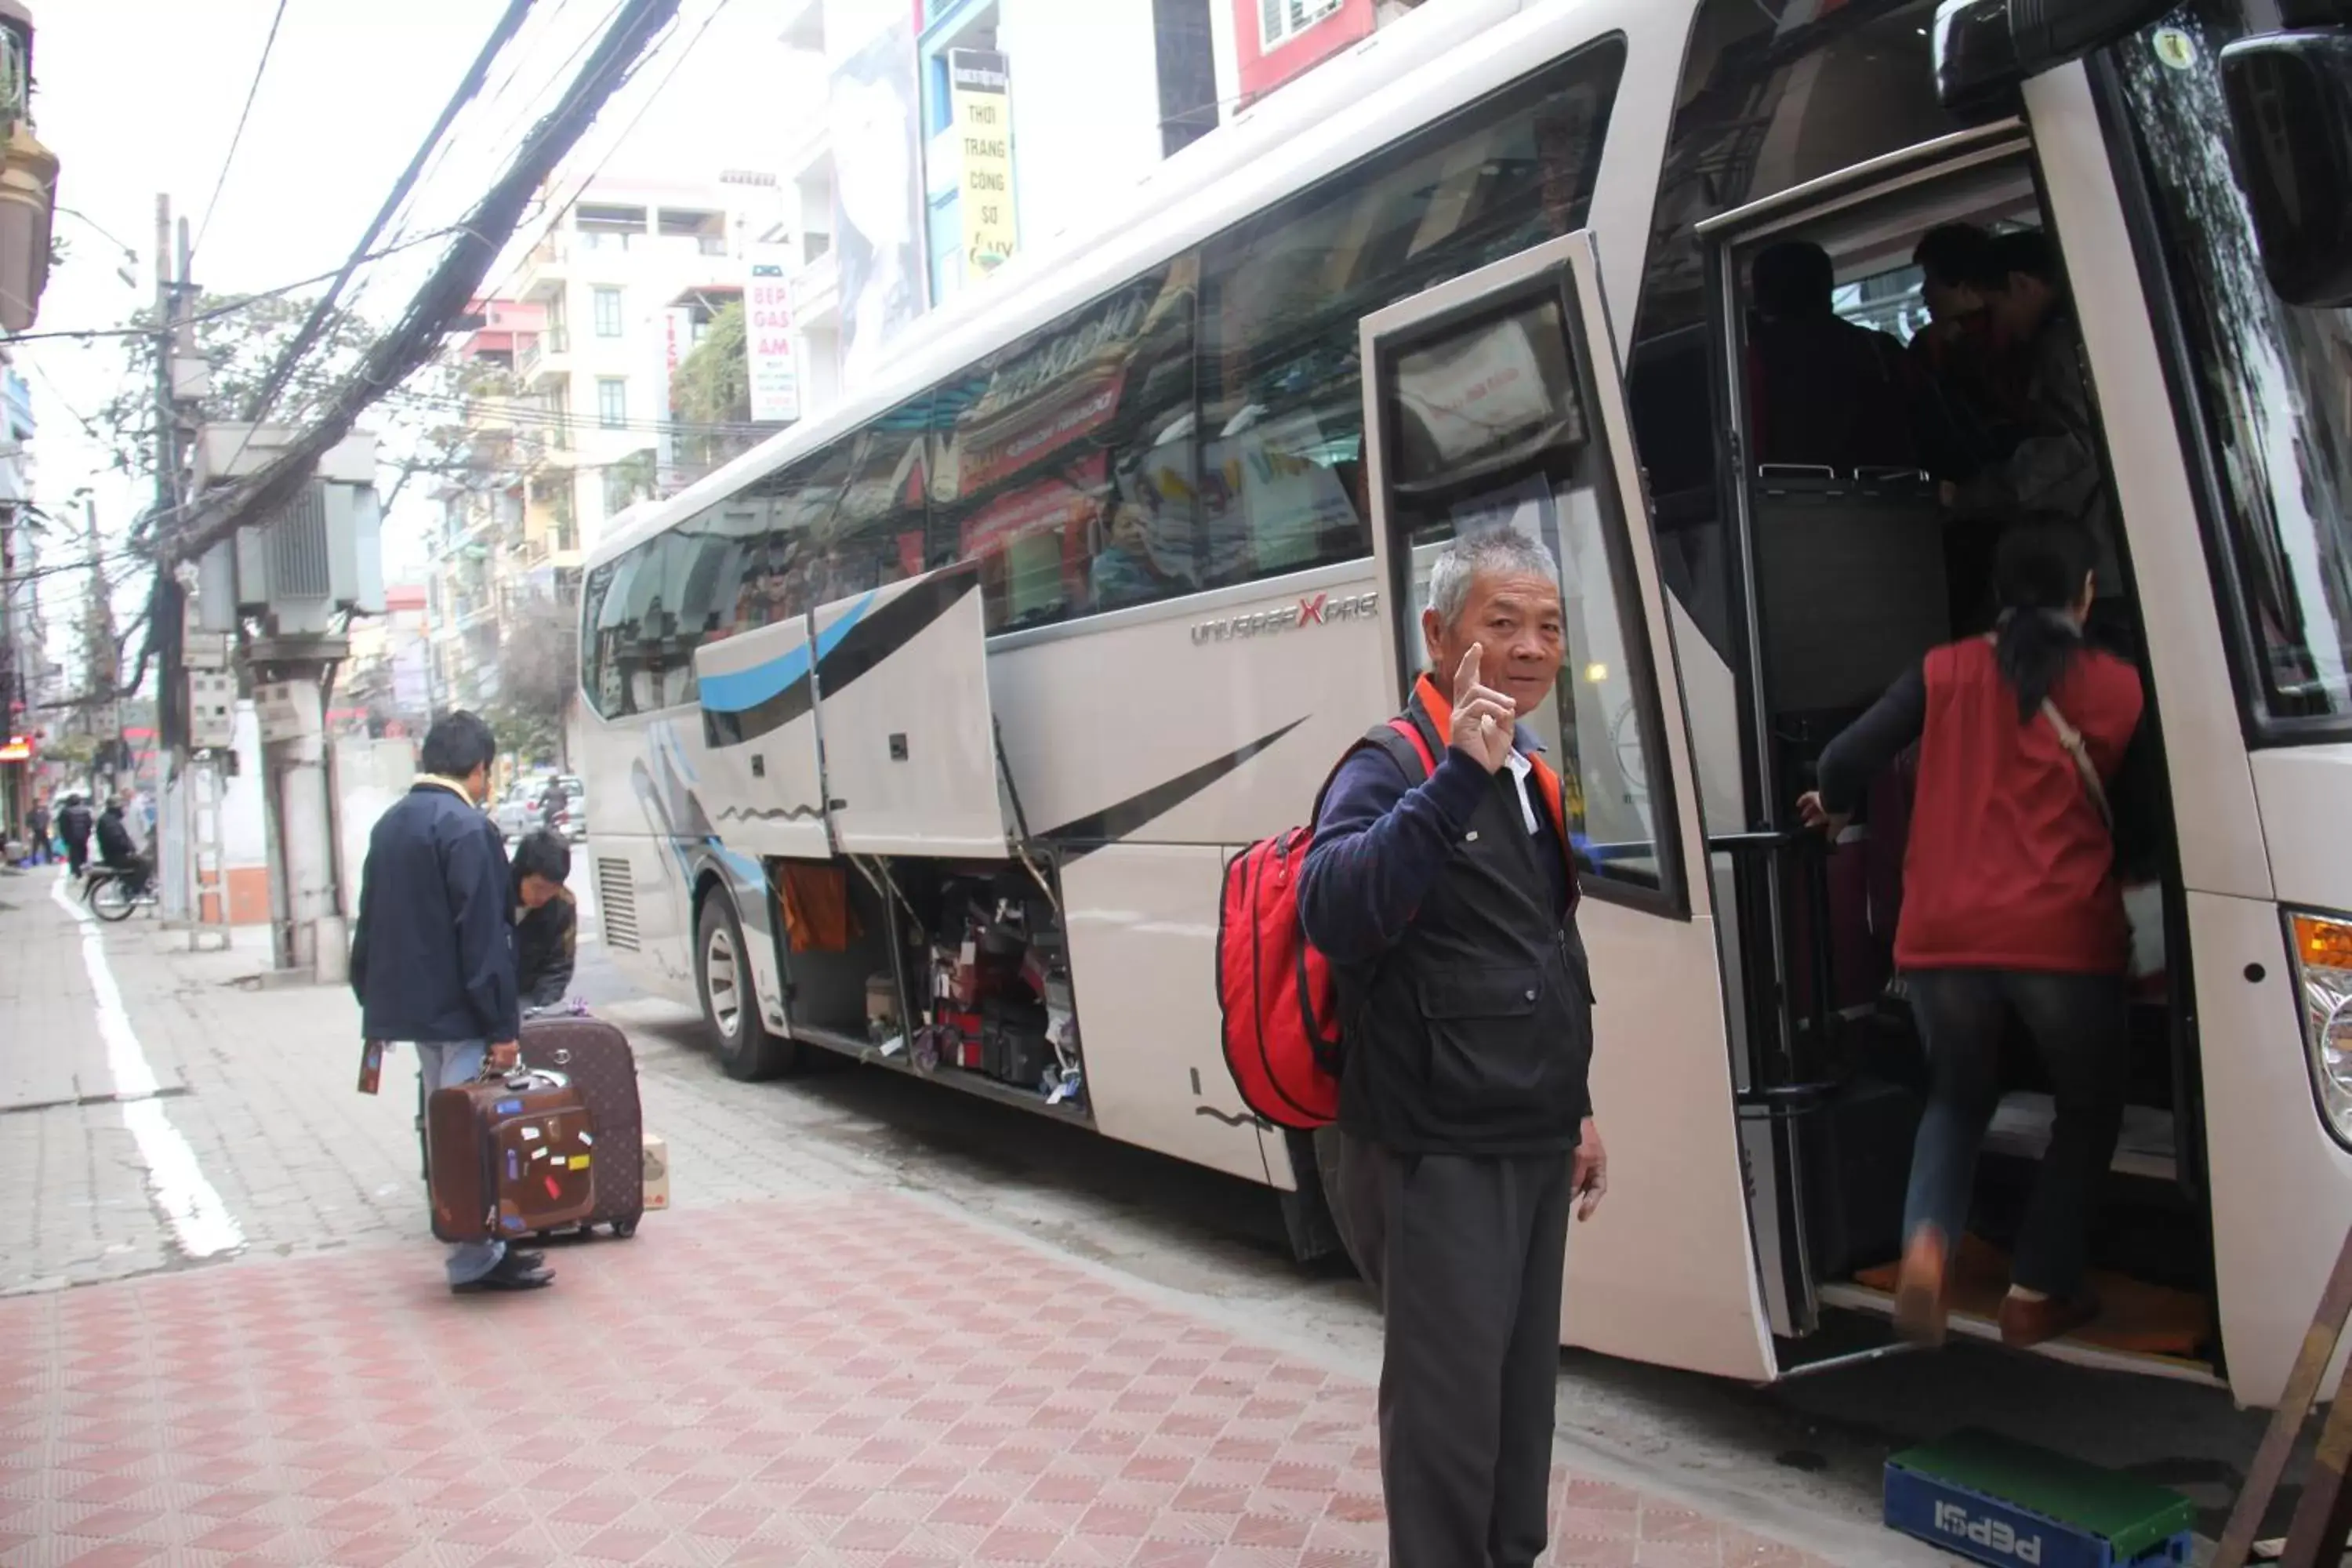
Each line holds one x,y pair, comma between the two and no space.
516,810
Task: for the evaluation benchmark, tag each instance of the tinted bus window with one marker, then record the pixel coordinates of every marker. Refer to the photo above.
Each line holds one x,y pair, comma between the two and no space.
2269,380
1069,474
1282,412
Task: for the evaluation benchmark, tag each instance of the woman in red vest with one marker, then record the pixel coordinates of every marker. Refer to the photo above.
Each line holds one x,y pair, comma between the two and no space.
2012,900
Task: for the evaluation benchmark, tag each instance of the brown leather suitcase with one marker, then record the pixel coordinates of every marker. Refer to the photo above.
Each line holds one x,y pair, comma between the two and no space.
597,1058
509,1155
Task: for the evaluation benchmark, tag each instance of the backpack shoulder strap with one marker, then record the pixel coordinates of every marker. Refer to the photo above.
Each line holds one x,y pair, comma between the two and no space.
1402,739
1405,745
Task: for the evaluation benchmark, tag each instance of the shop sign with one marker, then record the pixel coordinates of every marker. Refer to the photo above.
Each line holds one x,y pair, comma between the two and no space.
980,95
768,342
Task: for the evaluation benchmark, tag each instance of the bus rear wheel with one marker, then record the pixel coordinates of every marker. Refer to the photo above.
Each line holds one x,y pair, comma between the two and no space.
722,974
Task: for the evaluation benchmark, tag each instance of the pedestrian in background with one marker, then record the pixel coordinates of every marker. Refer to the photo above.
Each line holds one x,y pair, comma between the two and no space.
1447,908
73,824
433,955
2012,900
37,831
547,922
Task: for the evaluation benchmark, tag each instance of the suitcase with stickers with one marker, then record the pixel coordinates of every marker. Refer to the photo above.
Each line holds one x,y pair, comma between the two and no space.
596,1058
508,1156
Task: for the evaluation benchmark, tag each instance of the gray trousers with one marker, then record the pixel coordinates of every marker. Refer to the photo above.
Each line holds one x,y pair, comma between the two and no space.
1466,1255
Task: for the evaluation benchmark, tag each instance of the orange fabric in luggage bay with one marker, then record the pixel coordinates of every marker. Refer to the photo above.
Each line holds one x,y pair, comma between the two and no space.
817,916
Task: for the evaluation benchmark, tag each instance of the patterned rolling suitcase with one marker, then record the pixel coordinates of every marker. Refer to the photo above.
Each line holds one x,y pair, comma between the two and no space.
596,1057
508,1156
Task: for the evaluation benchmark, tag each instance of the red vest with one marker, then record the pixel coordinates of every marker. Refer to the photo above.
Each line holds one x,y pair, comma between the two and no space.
2008,865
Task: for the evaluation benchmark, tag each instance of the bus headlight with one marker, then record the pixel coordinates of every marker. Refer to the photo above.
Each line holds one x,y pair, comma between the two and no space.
2323,970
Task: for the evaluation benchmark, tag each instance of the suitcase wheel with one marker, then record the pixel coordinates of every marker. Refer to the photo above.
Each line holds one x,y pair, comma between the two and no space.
625,1228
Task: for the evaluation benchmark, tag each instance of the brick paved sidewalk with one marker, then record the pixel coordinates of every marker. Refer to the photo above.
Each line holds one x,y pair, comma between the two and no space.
850,1379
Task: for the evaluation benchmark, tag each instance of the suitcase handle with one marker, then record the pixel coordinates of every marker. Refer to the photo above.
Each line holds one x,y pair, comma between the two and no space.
519,1078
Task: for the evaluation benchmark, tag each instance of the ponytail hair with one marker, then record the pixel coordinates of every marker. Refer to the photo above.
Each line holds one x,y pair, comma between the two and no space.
2038,571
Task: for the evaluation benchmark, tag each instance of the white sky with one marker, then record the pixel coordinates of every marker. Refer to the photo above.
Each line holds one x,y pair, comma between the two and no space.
137,97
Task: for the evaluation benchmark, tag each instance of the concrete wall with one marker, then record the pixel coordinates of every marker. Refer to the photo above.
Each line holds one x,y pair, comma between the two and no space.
368,775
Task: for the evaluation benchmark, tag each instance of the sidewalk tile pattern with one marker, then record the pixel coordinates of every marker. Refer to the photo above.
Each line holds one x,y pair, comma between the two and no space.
855,1381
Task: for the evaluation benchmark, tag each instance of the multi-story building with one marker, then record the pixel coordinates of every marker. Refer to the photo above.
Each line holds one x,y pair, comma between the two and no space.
30,679
389,691
566,413
953,138
626,283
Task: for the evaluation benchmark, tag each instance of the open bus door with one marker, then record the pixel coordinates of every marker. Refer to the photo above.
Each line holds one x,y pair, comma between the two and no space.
1496,401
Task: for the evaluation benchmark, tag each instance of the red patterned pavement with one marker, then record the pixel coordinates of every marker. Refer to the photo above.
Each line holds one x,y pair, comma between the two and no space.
855,1380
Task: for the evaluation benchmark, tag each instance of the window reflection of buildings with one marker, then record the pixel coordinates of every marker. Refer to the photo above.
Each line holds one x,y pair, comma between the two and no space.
1219,395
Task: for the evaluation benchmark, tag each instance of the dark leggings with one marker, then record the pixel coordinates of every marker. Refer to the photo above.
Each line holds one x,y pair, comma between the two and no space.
2078,1025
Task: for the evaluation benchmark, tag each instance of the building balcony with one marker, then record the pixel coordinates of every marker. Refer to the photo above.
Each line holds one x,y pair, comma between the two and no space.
814,292
547,354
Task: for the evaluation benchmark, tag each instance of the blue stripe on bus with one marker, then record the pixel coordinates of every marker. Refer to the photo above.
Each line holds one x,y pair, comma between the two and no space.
742,690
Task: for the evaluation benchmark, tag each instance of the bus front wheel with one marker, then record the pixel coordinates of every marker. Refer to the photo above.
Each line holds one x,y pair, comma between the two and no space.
722,973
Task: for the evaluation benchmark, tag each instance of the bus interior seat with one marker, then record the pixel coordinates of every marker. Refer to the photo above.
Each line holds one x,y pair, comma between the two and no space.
1851,585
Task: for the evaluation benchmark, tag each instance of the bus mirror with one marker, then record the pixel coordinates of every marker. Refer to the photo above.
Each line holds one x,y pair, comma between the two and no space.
2290,97
1985,48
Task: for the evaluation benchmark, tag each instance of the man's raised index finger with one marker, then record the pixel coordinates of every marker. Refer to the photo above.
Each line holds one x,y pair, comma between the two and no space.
1465,676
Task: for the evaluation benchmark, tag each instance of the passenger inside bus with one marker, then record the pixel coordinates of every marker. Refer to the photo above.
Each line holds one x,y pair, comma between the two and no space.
1857,572
1963,416
2013,900
1128,569
1826,393
2052,470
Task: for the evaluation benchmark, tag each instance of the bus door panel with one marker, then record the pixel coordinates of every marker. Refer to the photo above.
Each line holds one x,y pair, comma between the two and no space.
1142,936
1495,402
908,732
761,787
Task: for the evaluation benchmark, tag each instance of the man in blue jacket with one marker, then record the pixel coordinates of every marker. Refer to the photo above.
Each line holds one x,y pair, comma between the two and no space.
1447,905
433,957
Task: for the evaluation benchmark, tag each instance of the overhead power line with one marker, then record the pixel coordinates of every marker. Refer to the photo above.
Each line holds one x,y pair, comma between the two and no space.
446,294
253,91
230,308
556,210
471,83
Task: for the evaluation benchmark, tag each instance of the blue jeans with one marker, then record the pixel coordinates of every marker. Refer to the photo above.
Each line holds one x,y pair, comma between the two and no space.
447,1064
2079,1024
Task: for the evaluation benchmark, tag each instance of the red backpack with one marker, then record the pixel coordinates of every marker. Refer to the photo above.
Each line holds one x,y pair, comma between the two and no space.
1275,990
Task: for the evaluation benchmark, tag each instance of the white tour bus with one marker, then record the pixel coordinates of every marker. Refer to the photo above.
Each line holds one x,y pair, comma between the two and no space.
948,709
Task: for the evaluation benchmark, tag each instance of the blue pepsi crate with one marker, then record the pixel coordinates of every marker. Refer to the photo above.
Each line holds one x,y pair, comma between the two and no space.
2010,1504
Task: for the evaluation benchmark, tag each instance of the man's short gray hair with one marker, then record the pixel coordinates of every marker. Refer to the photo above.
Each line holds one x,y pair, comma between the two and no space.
1503,551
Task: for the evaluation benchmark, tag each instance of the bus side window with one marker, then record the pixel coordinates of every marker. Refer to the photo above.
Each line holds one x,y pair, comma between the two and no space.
1282,410
884,501
1072,483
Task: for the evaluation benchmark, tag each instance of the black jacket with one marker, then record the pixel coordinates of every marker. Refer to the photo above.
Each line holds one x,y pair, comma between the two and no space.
1465,999
73,824
433,957
114,845
545,941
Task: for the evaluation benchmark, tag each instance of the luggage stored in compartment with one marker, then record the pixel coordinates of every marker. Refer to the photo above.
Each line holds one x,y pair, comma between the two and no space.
509,1155
598,1059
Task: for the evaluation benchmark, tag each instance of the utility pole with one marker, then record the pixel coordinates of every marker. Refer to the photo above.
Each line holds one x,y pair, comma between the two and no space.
189,851
104,702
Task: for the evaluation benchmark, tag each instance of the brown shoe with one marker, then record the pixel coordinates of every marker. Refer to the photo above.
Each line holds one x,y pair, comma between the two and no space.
2029,1322
1919,1305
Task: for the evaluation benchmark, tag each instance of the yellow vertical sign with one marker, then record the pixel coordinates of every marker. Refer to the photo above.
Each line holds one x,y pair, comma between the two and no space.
980,91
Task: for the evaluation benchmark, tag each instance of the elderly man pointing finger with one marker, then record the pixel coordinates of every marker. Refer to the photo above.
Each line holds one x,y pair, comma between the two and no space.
1447,908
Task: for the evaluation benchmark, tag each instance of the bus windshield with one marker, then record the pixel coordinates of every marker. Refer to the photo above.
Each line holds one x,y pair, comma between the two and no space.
2274,385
